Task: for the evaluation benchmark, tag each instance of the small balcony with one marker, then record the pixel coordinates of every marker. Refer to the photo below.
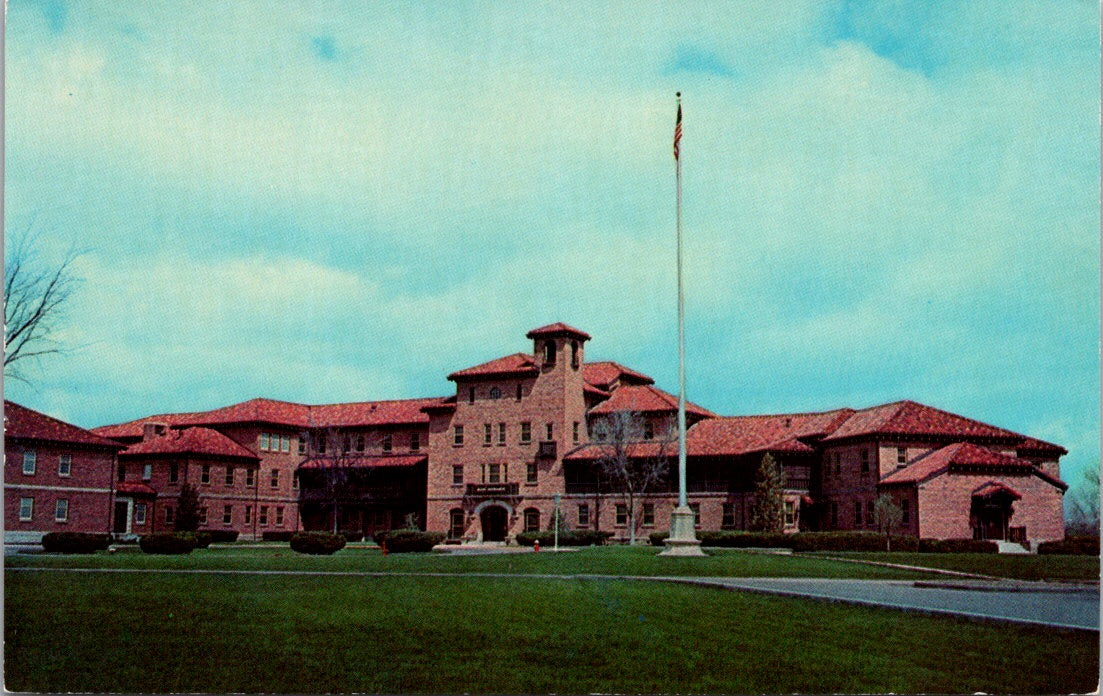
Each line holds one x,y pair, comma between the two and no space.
492,490
546,450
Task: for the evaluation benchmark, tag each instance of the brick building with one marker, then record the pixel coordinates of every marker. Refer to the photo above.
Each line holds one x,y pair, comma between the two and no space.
490,459
57,477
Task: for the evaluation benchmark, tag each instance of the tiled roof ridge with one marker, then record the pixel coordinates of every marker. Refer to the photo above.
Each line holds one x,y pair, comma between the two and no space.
86,435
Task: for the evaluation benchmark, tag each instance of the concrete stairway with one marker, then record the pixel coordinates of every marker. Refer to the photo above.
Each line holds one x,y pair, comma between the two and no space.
1011,547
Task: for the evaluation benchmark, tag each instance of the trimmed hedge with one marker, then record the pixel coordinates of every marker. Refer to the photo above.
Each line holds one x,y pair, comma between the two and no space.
202,539
351,535
221,536
317,543
75,542
957,546
408,540
799,541
277,536
167,543
1073,544
575,537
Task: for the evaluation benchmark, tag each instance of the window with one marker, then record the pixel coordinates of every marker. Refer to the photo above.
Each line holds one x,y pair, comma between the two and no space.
857,513
320,443
174,472
64,464
501,434
530,472
346,444
865,461
622,515
495,393
203,515
250,478
279,516
169,512
834,514
648,430
494,473
532,520
415,442
229,475
574,354
649,514
121,472
519,391
263,516
388,442
302,445
526,432
227,514
901,456
488,433
869,513
285,443
248,514
30,459
360,442
583,515
574,432
457,474
455,523
549,430
61,510
457,436
26,509
727,516
905,517
264,441
838,465
147,472
205,476
275,481
549,353
696,507
790,513
295,480
139,513
471,395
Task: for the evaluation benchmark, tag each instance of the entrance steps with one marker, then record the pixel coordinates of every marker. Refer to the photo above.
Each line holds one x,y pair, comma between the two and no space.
1011,547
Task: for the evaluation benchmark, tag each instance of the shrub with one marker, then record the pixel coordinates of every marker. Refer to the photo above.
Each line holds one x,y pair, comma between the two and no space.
351,535
277,536
1073,544
167,543
849,541
408,540
658,538
75,542
202,539
317,543
221,536
577,537
957,546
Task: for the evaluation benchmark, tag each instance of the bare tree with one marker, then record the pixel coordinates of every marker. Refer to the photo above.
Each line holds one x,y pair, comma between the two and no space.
1085,504
631,463
35,299
332,453
887,515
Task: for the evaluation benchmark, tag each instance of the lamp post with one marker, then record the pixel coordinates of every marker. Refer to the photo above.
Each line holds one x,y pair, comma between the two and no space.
556,521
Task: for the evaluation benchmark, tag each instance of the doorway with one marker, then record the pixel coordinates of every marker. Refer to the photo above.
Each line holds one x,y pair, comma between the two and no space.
495,523
121,523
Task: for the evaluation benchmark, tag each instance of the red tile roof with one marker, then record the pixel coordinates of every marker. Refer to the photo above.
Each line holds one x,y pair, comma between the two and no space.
645,399
135,488
911,418
768,433
516,364
197,441
591,390
22,422
134,428
1034,445
396,412
256,411
994,487
362,462
963,454
602,374
596,450
556,329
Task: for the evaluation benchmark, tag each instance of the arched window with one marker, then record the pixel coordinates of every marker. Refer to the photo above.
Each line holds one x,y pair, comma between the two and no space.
456,524
532,520
549,353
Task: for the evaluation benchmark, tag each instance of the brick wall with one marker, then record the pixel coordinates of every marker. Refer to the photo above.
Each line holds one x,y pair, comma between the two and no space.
945,501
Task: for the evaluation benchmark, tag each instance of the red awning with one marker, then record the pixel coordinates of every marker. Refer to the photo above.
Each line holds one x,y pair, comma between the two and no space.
134,488
993,488
355,462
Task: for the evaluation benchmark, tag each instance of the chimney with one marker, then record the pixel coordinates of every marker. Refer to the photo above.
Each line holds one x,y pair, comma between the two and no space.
152,429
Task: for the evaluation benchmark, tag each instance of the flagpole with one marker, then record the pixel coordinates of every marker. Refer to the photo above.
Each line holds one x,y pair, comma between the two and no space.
683,537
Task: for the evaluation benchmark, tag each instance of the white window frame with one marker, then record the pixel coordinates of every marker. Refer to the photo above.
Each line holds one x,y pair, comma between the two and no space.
147,472
61,510
64,465
230,478
415,442
30,462
205,475
285,443
140,513
227,514
26,509
279,515
274,479
262,516
264,442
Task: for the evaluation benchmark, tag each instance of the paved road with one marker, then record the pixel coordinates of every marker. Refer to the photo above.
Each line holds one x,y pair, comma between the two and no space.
1075,607
1071,607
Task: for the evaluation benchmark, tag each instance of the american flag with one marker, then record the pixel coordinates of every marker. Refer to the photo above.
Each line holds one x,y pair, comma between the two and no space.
678,130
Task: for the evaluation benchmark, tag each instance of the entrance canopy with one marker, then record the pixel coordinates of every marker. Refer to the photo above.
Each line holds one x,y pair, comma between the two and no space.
993,489
354,462
138,490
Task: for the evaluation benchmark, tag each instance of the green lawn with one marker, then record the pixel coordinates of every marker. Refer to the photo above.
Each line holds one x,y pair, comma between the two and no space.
1005,566
225,633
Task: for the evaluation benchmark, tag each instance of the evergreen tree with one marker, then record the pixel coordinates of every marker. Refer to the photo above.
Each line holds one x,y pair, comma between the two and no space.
769,503
187,509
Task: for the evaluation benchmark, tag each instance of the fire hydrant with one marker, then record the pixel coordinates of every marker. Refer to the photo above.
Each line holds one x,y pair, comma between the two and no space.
536,545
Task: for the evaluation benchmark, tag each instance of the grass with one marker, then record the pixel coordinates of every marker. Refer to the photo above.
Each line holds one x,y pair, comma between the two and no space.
187,633
1032,567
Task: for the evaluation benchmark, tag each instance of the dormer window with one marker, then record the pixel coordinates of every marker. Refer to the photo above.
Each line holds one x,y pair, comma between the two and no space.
549,353
495,393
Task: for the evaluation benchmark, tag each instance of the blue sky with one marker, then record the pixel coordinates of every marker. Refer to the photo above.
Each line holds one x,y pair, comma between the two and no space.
325,202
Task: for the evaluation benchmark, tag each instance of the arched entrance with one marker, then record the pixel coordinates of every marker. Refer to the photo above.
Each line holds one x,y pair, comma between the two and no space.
991,510
495,521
